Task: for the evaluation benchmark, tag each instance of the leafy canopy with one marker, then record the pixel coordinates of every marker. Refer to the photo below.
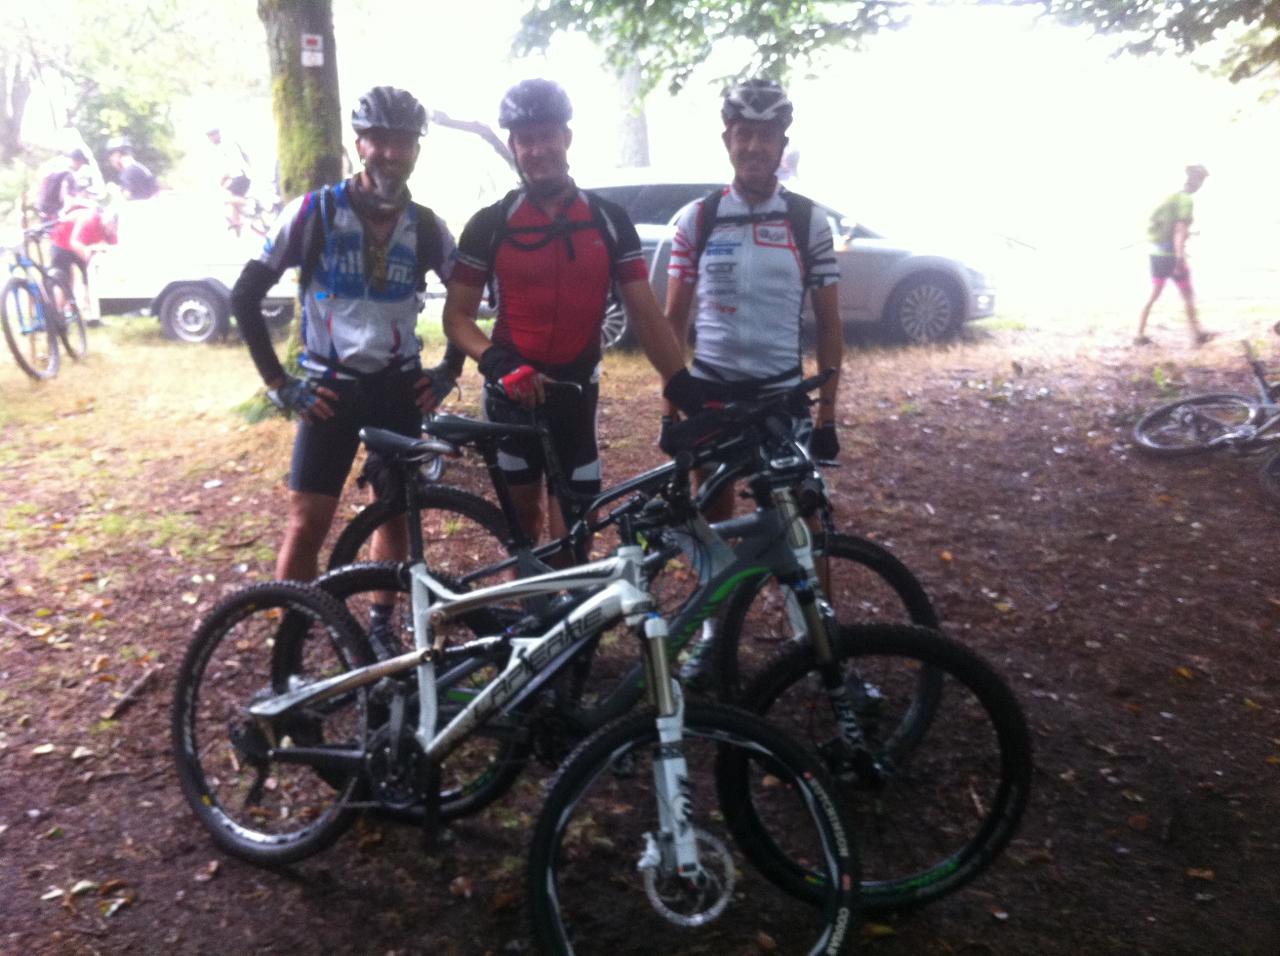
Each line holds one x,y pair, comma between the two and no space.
667,39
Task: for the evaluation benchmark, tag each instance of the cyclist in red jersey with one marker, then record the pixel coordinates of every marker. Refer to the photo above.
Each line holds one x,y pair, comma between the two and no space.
552,254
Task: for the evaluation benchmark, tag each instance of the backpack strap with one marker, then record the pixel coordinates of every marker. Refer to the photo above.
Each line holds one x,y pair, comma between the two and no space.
430,250
314,232
799,213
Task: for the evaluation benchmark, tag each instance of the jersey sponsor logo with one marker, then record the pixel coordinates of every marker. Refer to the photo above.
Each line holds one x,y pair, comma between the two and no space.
721,270
770,235
724,309
721,248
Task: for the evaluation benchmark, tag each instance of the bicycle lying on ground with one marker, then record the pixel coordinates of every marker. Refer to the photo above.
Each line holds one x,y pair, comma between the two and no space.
929,744
1221,420
38,310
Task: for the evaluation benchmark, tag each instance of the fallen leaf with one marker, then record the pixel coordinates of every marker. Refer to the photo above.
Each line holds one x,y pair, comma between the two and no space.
206,872
189,598
1139,822
999,913
1004,607
1184,672
1274,760
52,893
99,663
110,886
1132,796
503,900
81,887
110,907
41,750
946,556
1201,874
766,942
878,930
82,753
1251,704
461,886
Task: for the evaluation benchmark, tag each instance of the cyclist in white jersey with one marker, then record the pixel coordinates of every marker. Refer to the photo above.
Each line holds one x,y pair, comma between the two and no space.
750,272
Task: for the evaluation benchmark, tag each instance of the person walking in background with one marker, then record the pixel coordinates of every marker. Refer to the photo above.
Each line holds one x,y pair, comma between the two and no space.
136,181
1170,226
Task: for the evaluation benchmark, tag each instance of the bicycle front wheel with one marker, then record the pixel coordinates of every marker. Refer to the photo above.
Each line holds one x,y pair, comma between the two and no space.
31,339
600,875
929,813
71,328
1194,425
862,580
257,805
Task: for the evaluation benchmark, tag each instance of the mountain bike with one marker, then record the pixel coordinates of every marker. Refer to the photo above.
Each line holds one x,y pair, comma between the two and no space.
935,806
1244,424
474,542
37,310
283,726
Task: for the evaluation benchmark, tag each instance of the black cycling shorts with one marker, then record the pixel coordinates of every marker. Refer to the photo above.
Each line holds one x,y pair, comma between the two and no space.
323,452
572,419
239,186
64,260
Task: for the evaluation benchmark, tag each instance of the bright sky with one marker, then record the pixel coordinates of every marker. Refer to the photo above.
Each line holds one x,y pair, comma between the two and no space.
974,122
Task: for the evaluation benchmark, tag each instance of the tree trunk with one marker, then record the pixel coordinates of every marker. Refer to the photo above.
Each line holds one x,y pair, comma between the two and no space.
15,90
304,98
633,130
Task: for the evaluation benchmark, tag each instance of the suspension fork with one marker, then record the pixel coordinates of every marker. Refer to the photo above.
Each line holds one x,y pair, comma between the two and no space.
818,620
675,846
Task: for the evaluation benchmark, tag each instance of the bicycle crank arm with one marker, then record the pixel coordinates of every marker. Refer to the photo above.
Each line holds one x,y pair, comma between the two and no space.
344,760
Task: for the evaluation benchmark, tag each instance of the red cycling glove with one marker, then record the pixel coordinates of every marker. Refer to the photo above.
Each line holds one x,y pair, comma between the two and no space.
520,384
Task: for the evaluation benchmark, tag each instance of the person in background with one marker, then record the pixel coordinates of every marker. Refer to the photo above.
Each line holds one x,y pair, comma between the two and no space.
136,181
81,232
59,183
233,176
1168,231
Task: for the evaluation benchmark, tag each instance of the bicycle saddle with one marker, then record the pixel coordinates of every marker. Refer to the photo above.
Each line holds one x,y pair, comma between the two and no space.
459,430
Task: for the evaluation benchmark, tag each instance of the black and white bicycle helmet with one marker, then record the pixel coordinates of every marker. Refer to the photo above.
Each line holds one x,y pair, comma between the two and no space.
761,101
119,144
386,107
534,101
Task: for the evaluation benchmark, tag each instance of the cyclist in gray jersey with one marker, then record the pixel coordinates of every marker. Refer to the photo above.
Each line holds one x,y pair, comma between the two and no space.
750,273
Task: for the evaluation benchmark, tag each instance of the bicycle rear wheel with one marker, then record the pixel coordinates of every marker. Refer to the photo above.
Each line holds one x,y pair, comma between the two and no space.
461,532
31,338
1193,425
594,888
71,328
930,813
257,806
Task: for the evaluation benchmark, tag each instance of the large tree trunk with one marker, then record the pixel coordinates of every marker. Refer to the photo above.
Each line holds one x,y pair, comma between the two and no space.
303,98
633,130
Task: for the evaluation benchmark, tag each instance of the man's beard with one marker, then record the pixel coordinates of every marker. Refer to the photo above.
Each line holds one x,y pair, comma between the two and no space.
385,186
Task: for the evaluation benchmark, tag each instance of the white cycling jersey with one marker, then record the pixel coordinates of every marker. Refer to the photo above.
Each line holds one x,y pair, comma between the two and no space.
751,285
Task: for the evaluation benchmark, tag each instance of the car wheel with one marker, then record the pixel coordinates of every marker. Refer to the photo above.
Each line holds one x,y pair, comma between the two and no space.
924,308
194,313
616,331
279,314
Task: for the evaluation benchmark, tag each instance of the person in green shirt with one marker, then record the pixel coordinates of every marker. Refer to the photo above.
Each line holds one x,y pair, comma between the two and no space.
1168,230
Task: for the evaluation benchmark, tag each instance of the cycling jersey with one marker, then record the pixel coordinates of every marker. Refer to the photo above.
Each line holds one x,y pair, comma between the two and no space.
1175,209
355,318
552,275
751,284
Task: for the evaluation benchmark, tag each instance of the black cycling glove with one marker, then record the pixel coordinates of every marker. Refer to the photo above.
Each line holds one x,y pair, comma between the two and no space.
825,444
294,395
497,362
443,380
685,392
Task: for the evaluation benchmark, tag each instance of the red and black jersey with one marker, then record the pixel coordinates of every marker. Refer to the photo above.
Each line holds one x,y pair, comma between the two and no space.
552,274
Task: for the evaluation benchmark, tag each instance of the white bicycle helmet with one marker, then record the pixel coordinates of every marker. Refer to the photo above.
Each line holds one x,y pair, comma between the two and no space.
757,100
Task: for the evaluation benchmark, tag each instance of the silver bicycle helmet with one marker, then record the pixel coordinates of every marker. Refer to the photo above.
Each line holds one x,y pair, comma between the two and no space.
386,107
534,101
757,100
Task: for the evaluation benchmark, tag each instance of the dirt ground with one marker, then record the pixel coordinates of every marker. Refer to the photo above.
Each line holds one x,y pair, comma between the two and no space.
1133,605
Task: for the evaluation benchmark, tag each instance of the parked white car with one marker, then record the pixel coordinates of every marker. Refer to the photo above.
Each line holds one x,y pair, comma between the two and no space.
176,259
911,294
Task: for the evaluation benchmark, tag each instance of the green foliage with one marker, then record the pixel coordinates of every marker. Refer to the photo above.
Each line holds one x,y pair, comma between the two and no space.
666,39
1244,34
